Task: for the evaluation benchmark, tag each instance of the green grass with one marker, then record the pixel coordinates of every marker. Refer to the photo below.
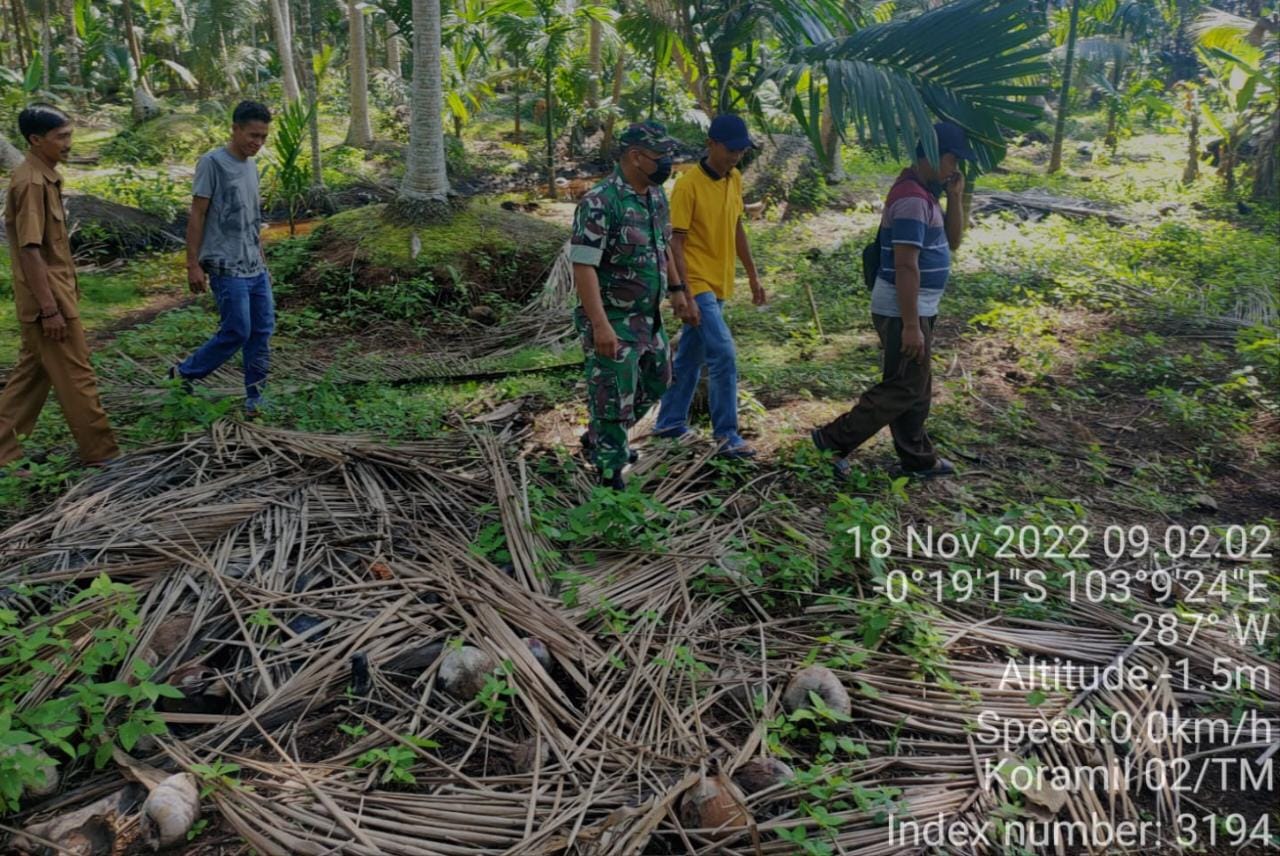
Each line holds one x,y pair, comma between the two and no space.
105,298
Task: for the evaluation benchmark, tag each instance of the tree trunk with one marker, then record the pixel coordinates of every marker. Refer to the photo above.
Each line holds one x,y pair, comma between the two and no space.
4,40
832,162
517,94
1192,169
72,44
619,69
393,49
131,37
46,45
425,179
1111,140
548,70
1264,169
10,157
360,131
1064,95
595,63
145,105
697,87
284,49
19,30
313,97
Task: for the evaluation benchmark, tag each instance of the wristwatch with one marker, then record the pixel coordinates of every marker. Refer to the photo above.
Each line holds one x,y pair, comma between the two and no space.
678,287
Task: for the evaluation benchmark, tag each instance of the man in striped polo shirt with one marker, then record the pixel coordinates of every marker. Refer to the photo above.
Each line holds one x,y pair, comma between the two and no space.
916,240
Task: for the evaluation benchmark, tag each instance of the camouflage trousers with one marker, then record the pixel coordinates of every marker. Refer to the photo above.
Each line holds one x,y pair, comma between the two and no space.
619,394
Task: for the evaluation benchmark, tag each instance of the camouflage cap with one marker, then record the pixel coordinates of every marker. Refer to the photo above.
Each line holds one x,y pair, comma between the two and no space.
650,135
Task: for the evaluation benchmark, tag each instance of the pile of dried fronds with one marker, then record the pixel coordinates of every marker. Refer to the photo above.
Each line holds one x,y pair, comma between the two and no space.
291,584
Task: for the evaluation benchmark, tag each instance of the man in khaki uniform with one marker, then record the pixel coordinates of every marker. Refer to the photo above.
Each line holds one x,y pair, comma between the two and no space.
54,351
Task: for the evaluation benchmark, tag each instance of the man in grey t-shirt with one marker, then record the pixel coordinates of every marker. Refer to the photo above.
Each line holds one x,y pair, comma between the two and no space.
224,249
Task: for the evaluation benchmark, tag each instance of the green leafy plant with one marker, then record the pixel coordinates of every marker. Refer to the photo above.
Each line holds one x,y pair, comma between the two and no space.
290,178
623,519
91,715
398,760
496,691
219,775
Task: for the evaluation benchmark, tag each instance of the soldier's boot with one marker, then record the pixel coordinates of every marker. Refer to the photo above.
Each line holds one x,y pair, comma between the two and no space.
589,449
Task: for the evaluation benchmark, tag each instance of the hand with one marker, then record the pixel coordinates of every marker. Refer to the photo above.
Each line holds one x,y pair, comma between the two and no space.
758,296
605,341
196,279
913,347
955,184
54,326
680,304
693,315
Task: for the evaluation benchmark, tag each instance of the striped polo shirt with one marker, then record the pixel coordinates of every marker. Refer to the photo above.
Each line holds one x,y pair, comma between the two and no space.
918,223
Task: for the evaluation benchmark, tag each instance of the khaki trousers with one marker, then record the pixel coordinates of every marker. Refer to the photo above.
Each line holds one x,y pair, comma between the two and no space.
63,366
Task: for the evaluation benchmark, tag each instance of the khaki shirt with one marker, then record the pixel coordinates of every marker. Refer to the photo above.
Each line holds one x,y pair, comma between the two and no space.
34,215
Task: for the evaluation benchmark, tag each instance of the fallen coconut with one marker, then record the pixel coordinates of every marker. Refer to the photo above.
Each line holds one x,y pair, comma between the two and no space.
171,634
820,680
171,810
464,671
540,651
714,804
761,774
202,688
92,830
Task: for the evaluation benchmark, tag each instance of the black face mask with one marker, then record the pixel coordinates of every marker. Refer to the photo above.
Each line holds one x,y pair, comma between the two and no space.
663,172
936,188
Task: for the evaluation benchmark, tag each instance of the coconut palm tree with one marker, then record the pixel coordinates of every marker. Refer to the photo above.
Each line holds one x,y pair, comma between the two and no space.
281,24
1064,94
393,49
307,47
425,188
360,132
71,43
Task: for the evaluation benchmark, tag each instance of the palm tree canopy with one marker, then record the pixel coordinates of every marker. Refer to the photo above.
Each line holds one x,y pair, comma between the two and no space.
973,62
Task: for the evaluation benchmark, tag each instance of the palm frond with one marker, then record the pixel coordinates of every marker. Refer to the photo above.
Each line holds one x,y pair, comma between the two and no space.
891,80
1216,28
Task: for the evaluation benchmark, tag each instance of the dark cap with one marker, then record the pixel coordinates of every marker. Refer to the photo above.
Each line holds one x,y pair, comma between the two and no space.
650,135
731,131
951,138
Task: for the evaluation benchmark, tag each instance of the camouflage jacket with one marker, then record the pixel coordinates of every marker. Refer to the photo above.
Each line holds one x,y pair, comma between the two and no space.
624,235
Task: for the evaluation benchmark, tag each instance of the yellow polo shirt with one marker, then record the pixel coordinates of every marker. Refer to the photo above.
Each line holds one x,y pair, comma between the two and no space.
707,209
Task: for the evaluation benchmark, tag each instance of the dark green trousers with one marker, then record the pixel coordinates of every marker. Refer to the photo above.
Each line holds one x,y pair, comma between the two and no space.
900,400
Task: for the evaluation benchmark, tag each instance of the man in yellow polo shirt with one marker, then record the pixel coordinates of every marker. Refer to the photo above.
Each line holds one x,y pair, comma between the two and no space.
706,222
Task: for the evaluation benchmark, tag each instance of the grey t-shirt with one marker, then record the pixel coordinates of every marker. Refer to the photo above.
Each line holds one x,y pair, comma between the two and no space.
231,228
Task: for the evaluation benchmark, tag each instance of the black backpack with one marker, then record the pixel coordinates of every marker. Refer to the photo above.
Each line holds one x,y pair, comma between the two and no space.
871,261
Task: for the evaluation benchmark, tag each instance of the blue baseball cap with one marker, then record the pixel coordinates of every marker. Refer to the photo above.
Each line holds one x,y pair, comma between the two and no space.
951,138
731,131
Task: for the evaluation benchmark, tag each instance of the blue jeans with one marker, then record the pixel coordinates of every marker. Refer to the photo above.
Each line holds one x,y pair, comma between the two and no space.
248,318
710,343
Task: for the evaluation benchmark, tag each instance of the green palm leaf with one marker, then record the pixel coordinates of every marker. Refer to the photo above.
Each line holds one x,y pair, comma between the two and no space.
970,62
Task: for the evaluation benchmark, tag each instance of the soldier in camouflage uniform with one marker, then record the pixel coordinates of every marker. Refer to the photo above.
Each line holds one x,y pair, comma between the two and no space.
622,266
